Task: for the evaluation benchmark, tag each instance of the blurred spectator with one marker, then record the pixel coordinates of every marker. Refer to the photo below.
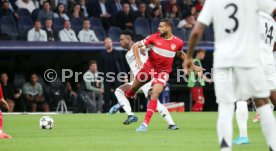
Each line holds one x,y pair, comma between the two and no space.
199,5
142,11
67,34
94,86
169,6
84,8
34,94
133,5
70,95
46,12
156,13
187,23
27,4
155,3
125,18
5,9
103,11
86,34
186,6
36,33
174,13
110,61
8,91
76,12
60,12
116,6
51,34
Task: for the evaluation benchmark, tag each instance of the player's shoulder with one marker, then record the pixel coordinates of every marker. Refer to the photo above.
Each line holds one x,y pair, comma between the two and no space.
156,34
178,40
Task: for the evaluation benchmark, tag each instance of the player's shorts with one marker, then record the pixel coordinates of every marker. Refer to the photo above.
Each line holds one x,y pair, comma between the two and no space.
147,74
197,93
145,88
233,84
270,73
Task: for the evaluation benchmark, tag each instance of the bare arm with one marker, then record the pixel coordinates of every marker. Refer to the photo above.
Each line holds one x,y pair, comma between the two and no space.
194,37
135,48
181,55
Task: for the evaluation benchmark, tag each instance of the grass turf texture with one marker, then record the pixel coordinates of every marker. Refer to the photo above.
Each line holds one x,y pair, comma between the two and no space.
93,132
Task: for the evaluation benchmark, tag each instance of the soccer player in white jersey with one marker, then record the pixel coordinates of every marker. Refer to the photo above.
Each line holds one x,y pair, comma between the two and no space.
237,70
127,43
267,28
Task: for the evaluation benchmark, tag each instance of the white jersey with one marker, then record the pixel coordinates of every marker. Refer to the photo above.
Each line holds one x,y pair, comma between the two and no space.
235,24
268,37
132,61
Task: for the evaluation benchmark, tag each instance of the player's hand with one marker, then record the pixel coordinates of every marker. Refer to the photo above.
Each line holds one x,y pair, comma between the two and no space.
143,51
5,104
138,63
101,90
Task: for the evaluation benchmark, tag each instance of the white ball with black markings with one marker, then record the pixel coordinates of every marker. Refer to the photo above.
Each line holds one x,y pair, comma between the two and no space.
46,122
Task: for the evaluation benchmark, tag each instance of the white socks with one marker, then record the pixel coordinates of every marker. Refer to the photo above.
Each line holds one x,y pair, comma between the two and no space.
225,125
165,113
268,124
242,117
123,101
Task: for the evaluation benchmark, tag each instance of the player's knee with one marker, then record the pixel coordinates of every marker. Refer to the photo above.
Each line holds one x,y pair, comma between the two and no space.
118,91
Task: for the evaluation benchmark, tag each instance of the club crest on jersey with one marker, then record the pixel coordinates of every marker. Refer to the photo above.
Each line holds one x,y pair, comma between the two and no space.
173,46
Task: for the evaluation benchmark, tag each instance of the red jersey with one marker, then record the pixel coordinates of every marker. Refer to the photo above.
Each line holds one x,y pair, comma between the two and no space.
1,92
162,51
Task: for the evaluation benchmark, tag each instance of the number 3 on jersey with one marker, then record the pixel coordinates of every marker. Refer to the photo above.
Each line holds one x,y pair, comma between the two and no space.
233,17
268,33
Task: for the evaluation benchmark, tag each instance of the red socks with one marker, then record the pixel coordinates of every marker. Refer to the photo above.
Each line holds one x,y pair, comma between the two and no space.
151,108
1,121
129,93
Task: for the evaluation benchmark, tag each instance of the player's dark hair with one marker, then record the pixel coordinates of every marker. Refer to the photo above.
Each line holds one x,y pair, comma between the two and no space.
128,33
168,22
200,50
92,62
45,3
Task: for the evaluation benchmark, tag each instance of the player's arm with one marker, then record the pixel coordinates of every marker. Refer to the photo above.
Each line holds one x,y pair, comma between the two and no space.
136,53
181,55
194,38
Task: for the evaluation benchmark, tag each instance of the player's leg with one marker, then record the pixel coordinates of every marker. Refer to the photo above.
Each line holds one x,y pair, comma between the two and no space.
2,134
34,106
242,118
260,91
224,81
147,90
122,100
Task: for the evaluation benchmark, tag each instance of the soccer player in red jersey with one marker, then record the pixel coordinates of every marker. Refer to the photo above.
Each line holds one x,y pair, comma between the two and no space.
2,100
163,47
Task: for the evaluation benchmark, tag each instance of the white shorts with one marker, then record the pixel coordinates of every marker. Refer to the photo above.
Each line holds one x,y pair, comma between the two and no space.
145,88
233,84
270,73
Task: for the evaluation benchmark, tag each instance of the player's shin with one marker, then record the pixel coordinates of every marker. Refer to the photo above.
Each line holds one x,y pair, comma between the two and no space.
165,113
268,124
150,111
123,101
242,117
225,125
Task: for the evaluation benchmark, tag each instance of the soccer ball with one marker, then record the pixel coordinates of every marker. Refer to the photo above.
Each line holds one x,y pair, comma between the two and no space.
46,122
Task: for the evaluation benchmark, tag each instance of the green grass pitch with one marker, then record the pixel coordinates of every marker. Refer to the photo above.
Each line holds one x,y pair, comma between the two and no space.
96,132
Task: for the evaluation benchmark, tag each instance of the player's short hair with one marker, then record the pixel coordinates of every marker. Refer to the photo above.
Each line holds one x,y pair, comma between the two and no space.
45,3
128,33
200,50
168,22
92,62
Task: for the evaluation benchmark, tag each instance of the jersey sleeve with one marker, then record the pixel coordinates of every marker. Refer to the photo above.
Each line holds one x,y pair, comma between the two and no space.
267,5
181,46
206,15
148,40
